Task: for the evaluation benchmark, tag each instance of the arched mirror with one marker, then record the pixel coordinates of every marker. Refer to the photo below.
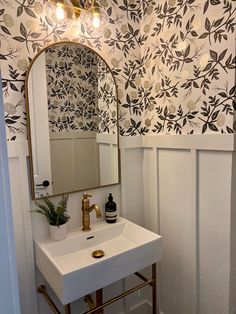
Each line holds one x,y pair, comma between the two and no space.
71,98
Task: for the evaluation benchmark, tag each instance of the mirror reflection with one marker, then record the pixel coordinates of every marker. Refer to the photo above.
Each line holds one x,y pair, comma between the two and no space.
72,107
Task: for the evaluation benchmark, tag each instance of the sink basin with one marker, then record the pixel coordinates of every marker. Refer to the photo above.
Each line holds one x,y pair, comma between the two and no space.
72,272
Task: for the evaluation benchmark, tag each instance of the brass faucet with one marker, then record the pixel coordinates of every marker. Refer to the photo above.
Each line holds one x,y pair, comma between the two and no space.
86,209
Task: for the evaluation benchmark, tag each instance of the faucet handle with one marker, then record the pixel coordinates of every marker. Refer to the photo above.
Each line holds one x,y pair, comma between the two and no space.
85,195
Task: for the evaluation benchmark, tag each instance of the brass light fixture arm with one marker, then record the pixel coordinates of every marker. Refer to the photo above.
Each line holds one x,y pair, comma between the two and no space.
78,9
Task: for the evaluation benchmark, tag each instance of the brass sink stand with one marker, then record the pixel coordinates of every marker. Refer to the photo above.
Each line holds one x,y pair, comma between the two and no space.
98,309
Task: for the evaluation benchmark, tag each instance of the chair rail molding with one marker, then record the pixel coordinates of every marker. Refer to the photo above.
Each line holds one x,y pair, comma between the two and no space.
220,142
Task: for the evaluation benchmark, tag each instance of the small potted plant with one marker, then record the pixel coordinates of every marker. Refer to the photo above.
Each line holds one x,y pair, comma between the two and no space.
56,216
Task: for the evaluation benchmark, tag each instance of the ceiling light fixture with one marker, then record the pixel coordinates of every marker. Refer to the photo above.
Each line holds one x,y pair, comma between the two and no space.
61,10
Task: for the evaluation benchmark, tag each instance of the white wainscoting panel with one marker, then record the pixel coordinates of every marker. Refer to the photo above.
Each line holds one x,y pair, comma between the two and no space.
62,153
79,151
132,185
108,158
232,299
214,231
177,227
88,162
18,168
150,184
188,197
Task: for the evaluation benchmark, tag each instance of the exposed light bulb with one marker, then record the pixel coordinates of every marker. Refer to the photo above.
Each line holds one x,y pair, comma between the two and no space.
94,17
96,21
60,13
75,29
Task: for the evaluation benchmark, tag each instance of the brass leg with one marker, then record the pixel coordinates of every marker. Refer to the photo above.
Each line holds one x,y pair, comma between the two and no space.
154,290
42,289
67,309
99,300
98,309
89,300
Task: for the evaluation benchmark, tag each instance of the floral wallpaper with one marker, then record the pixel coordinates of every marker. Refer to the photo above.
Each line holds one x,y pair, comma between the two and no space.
81,90
71,74
173,60
25,28
107,110
189,56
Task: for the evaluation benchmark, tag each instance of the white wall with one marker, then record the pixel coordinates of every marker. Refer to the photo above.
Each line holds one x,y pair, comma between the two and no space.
9,290
188,198
180,186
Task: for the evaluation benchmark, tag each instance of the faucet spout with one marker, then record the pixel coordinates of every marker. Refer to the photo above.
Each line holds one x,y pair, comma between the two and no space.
97,210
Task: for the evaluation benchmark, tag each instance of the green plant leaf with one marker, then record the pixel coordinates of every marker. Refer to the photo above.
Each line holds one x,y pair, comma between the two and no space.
55,215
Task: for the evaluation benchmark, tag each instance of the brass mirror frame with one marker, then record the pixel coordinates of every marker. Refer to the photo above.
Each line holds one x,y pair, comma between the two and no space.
28,121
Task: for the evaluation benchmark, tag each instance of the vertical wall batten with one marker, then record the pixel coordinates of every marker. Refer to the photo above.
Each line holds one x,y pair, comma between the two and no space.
194,169
123,181
232,297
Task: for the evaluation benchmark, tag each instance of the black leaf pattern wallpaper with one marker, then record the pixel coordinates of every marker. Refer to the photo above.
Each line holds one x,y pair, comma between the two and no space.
72,82
189,80
173,60
81,91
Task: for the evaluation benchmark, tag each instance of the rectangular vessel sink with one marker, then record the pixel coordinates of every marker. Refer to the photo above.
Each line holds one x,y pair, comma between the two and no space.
72,272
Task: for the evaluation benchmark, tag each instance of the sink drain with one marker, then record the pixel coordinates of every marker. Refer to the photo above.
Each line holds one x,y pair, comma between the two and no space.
98,254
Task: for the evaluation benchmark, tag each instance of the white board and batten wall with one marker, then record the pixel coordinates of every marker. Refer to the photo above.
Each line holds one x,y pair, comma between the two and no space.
91,159
108,158
178,186
183,188
75,158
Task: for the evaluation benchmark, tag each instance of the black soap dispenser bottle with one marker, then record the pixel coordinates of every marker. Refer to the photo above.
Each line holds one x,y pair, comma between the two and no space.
110,210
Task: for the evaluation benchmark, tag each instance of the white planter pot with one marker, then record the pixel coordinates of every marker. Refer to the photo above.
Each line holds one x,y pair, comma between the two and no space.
58,233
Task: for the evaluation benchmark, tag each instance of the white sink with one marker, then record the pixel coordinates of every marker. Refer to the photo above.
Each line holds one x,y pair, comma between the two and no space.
72,272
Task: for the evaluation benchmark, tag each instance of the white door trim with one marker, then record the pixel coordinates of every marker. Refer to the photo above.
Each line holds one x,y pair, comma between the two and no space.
9,290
